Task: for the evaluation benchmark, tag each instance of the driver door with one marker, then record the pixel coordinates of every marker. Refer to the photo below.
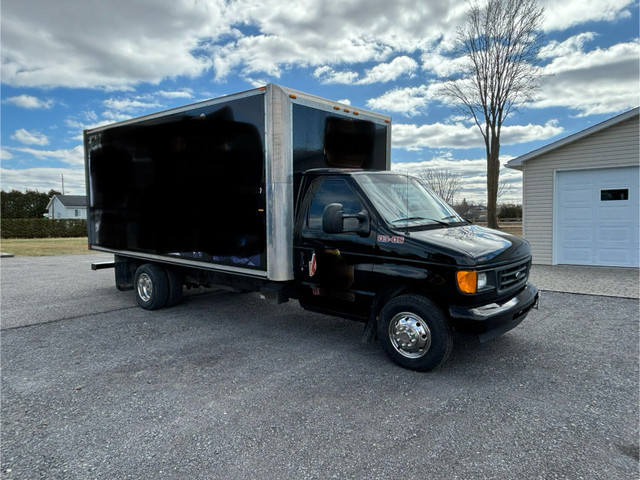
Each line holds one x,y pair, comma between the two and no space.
333,270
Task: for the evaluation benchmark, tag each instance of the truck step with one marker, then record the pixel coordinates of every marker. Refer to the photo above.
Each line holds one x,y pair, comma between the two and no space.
102,265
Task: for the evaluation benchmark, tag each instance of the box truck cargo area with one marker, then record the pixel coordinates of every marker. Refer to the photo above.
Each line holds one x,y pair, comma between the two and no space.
288,194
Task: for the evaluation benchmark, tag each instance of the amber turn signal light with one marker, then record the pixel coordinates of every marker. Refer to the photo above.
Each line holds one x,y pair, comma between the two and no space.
467,281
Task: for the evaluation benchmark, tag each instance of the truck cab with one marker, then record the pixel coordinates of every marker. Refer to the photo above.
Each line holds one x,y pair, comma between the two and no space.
382,248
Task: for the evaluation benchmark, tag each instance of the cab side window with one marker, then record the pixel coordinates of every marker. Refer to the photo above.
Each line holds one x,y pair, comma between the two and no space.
333,190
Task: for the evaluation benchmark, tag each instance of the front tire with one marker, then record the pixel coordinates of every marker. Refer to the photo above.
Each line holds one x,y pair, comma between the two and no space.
414,333
151,286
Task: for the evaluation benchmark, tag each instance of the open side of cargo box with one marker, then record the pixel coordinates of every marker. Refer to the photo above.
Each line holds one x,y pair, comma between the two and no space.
212,184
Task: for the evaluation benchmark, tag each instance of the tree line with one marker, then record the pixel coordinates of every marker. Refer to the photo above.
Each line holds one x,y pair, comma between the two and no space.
29,204
478,212
447,184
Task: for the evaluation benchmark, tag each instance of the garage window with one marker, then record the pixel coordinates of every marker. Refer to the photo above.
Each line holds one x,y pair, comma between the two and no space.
614,194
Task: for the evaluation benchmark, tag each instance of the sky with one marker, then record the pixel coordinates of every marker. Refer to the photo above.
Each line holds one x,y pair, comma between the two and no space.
69,65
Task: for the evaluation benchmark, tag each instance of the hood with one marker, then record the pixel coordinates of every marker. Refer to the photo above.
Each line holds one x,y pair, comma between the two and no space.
469,245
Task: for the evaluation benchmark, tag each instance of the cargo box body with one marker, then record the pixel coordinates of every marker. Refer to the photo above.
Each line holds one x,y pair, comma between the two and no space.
212,185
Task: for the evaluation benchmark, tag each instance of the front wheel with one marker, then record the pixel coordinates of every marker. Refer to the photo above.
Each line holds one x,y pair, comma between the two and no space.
414,333
151,286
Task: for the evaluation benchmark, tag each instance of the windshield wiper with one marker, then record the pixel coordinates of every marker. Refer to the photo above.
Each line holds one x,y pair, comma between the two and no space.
409,219
451,217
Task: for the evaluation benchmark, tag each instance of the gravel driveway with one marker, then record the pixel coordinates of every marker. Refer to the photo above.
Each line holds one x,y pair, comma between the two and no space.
228,386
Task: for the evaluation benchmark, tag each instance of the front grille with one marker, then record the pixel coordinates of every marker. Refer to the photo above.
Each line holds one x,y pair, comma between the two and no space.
513,276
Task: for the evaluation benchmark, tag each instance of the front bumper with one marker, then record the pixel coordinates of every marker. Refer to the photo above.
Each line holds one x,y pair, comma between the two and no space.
489,321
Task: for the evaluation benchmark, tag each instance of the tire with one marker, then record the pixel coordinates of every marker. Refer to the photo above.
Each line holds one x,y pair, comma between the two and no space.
151,286
175,288
414,333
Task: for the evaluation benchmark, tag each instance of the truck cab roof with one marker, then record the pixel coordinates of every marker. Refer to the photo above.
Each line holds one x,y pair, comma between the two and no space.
344,171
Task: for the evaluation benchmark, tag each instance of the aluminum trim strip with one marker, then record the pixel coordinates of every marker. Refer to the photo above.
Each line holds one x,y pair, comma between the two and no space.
184,262
279,184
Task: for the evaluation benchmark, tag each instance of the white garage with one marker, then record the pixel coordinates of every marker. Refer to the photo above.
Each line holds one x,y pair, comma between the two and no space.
581,198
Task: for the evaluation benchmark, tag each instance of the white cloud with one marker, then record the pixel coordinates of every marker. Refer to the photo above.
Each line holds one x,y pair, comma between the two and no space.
129,104
388,72
599,81
381,73
30,102
30,138
515,134
569,46
460,136
73,156
562,14
82,121
596,82
332,32
437,135
256,82
409,101
111,44
5,154
442,66
328,75
43,179
184,93
117,44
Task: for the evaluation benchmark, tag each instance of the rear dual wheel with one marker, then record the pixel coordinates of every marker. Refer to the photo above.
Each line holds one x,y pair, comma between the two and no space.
157,287
414,333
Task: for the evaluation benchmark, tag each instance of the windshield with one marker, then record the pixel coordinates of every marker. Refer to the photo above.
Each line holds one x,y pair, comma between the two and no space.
405,202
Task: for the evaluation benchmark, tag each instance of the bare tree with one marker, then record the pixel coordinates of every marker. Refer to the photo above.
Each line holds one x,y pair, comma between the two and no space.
500,41
444,182
504,189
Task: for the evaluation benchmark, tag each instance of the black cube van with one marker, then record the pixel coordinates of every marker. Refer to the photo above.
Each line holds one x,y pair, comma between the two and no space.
290,195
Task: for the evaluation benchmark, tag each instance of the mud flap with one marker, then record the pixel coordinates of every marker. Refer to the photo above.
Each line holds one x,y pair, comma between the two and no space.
369,332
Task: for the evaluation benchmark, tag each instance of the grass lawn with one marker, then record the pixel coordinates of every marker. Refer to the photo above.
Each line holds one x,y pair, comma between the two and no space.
39,247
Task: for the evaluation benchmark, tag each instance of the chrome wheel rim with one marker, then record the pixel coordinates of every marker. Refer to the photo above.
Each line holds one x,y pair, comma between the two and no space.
409,335
145,287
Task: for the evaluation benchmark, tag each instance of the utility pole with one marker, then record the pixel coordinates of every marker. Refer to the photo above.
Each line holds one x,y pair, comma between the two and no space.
62,176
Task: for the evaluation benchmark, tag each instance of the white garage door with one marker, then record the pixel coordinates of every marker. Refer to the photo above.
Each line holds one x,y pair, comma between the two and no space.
596,218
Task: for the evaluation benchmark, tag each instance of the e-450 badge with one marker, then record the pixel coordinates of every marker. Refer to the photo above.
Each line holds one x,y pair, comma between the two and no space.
388,239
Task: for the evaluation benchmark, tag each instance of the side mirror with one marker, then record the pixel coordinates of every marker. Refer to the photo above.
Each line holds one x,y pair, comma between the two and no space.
333,220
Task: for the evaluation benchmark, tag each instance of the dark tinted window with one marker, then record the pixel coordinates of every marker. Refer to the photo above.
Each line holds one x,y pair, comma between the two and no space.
614,194
323,139
333,190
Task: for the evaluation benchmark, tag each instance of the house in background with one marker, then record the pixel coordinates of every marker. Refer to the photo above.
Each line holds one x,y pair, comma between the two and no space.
581,203
67,206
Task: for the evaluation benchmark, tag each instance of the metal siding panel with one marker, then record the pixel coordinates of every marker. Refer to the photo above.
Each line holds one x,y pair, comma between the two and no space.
537,210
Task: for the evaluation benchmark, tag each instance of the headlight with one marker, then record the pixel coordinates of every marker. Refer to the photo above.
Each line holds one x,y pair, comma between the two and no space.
482,280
